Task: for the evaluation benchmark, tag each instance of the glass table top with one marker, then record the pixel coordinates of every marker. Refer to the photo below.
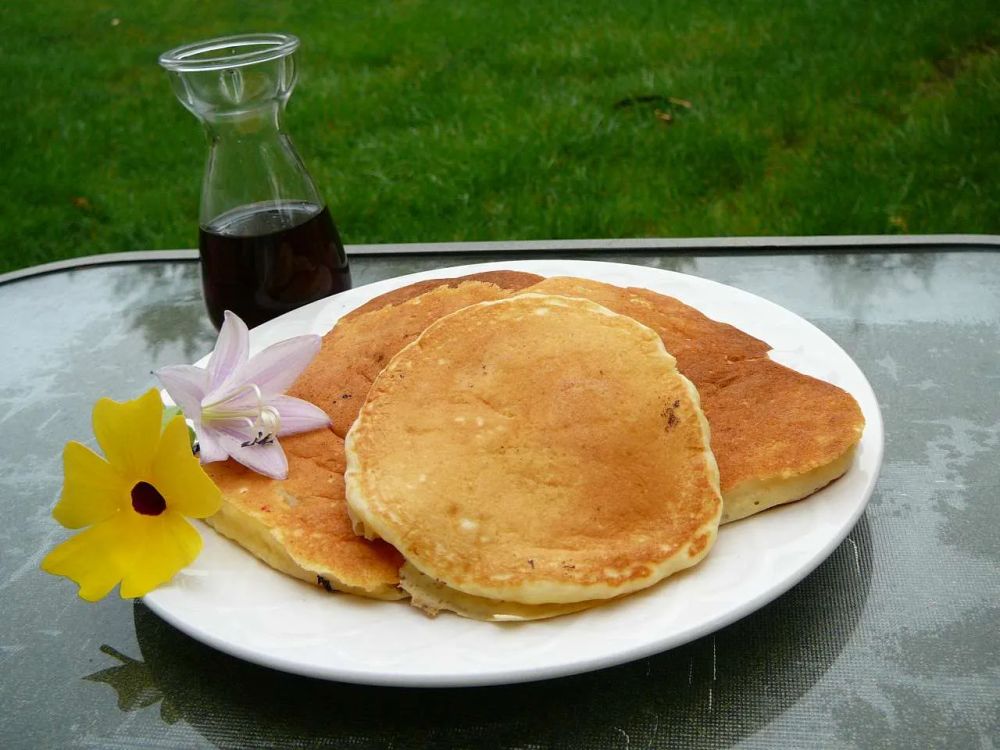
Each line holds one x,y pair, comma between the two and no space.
891,642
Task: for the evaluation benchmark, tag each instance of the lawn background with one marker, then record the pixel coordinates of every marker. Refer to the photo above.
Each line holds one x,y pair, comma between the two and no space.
436,121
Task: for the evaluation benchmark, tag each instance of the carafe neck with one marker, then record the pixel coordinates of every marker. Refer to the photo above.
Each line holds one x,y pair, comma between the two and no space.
260,122
252,161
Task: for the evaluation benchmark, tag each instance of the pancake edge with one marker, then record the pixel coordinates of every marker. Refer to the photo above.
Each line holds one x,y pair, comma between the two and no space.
755,496
433,597
255,537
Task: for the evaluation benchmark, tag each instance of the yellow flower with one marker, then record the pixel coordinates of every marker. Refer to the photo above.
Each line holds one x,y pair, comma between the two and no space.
134,502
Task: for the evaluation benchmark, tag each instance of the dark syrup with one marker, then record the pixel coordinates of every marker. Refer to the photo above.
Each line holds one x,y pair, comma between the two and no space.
263,260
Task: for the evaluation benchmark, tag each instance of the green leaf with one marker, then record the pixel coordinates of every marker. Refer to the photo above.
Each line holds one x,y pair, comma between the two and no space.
169,412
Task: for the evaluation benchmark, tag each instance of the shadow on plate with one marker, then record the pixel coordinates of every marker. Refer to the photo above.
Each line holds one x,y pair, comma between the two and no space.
711,692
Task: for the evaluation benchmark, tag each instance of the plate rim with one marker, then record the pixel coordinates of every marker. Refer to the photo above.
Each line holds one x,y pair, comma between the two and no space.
312,316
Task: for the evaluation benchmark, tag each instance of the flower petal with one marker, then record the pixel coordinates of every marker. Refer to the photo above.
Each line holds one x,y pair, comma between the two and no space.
298,415
129,432
231,350
209,447
277,367
92,490
98,558
186,385
170,543
178,476
267,459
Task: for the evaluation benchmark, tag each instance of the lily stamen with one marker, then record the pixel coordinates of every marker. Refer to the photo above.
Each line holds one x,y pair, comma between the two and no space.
270,420
263,421
266,427
217,411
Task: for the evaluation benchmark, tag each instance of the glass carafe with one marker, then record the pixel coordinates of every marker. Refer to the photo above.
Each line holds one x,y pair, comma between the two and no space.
268,243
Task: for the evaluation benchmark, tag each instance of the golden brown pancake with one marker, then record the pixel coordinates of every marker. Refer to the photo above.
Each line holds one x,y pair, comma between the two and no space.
777,434
536,449
300,525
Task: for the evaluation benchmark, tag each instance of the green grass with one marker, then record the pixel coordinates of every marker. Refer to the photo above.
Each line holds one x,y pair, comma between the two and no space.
425,121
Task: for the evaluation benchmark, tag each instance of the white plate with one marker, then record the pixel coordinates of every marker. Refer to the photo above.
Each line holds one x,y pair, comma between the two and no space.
232,602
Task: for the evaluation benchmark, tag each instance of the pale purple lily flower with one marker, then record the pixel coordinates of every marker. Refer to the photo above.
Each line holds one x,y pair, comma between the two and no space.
237,403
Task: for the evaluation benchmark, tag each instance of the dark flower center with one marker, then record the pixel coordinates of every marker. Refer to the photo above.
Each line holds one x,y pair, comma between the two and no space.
147,500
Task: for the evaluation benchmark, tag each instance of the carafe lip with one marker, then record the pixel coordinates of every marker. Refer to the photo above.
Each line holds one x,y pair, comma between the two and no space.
264,47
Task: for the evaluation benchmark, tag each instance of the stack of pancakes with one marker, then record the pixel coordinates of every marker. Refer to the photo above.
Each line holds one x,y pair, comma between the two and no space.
511,447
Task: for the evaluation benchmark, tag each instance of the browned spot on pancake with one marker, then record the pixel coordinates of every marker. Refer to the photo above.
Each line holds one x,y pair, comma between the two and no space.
698,544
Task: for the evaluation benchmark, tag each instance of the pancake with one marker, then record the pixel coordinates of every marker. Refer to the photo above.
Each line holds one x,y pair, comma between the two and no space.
536,450
778,435
300,525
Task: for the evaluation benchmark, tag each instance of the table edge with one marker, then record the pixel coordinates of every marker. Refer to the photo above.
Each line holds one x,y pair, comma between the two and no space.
670,244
